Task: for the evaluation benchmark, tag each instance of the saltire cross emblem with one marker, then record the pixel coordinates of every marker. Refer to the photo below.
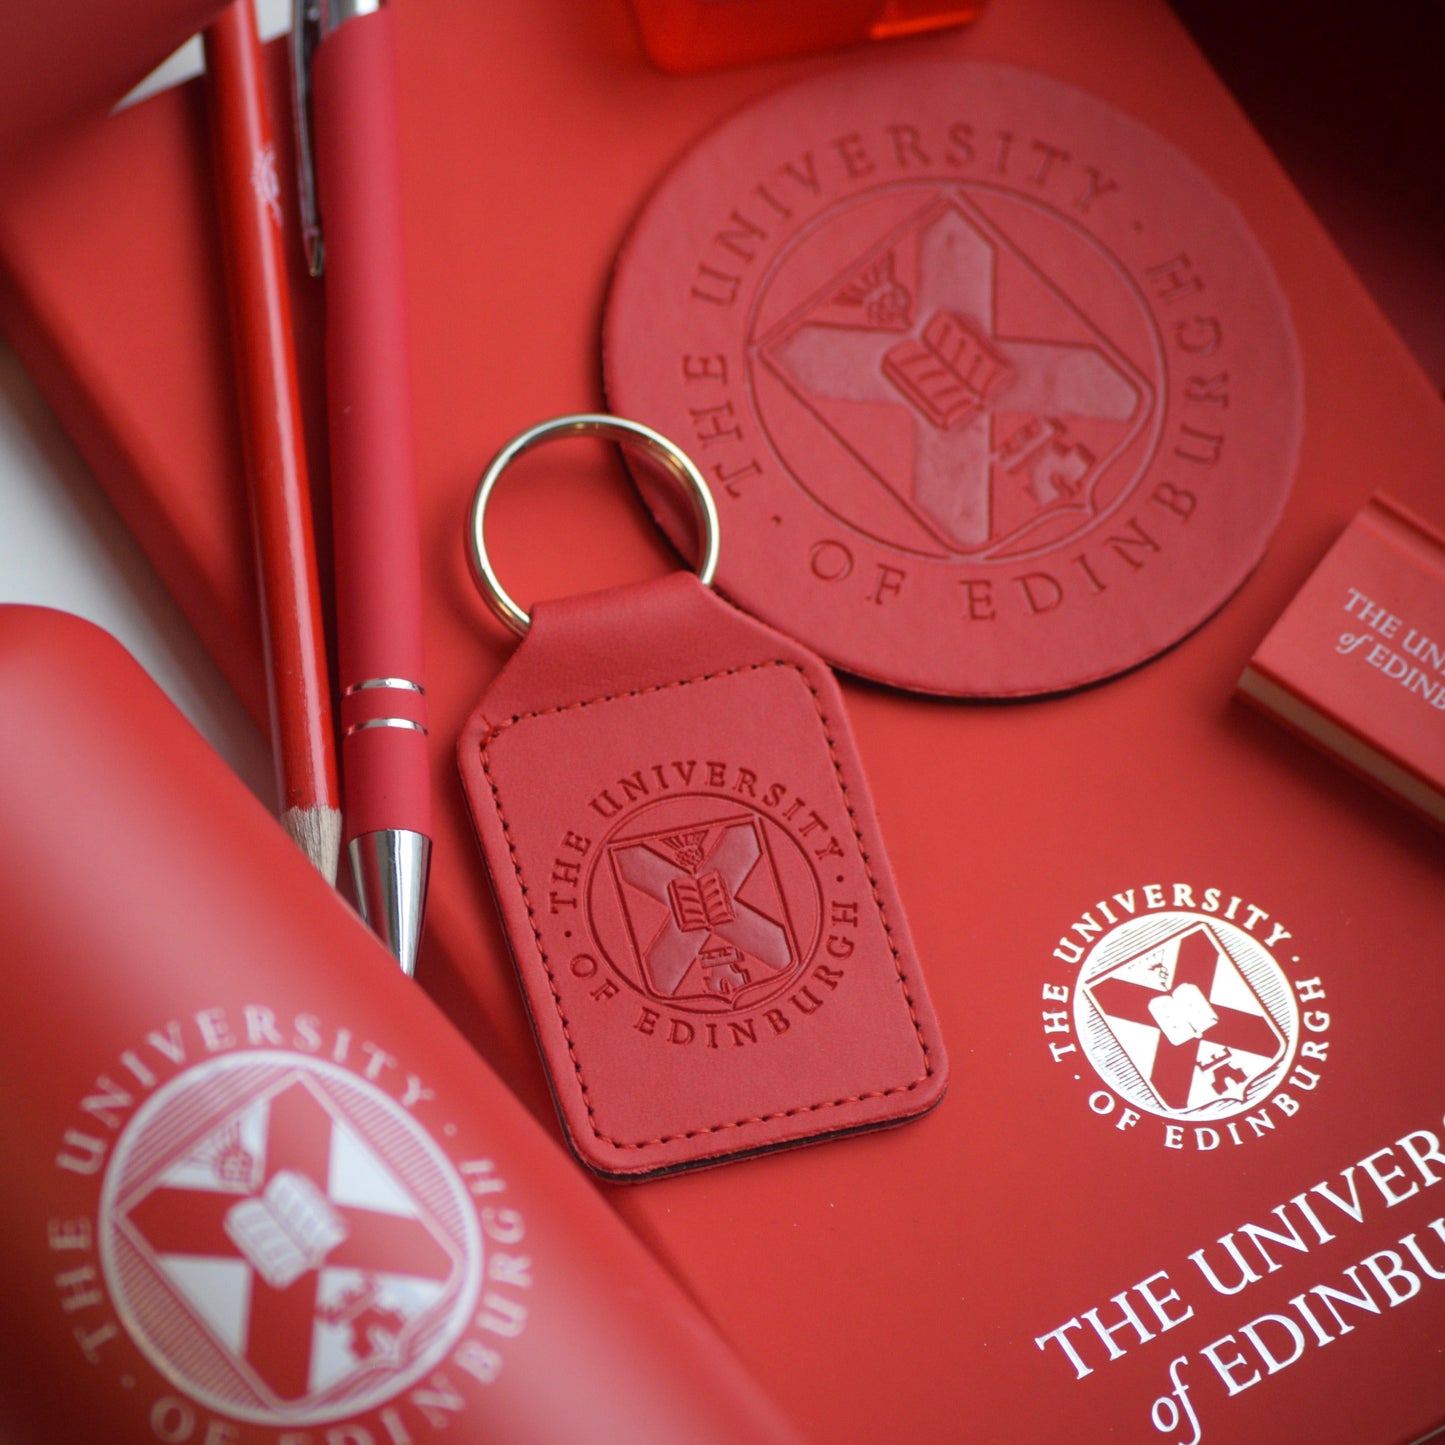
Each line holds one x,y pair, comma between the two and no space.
704,909
282,1256
1189,1021
981,425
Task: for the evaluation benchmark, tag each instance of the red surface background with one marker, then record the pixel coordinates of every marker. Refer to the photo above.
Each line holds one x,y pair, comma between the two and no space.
889,1287
1369,163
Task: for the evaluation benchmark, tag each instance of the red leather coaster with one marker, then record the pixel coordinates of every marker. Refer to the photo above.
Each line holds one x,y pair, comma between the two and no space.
698,900
995,389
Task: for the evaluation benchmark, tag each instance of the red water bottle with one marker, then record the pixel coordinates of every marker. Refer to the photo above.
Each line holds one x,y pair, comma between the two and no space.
257,1189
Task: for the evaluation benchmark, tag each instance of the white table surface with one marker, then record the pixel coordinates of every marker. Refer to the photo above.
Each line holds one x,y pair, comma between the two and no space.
62,545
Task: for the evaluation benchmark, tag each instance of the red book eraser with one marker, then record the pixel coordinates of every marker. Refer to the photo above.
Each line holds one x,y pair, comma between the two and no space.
1356,663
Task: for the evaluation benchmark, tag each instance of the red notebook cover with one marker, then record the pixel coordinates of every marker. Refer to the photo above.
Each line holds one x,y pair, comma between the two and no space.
1357,662
70,59
1176,958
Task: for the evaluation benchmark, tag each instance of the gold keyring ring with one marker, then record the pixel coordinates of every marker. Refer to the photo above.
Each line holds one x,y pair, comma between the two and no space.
614,428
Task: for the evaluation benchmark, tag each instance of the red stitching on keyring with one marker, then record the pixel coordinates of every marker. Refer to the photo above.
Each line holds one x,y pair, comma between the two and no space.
862,851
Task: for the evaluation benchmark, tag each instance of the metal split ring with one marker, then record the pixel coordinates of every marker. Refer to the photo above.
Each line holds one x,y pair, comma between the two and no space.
628,434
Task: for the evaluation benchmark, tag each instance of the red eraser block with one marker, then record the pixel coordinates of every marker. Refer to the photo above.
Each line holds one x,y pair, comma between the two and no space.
1357,662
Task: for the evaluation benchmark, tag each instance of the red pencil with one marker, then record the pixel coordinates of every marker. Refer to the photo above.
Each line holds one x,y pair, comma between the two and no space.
250,208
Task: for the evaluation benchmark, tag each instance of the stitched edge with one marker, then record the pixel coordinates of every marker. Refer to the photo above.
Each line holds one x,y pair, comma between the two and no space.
751,1120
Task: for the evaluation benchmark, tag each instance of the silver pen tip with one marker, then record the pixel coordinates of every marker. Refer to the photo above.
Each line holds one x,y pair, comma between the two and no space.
389,868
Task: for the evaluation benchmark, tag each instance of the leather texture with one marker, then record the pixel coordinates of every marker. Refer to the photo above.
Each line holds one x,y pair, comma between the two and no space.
971,427
694,886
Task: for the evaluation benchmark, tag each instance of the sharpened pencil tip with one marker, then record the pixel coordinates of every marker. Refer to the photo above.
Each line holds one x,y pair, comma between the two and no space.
317,832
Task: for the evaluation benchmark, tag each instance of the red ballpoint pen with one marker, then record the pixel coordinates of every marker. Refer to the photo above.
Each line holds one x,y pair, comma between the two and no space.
345,64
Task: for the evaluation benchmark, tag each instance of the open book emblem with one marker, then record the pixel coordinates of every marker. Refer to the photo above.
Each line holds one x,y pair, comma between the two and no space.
287,1229
1190,1022
283,1234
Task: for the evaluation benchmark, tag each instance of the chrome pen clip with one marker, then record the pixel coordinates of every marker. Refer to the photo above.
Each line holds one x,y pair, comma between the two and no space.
312,21
305,35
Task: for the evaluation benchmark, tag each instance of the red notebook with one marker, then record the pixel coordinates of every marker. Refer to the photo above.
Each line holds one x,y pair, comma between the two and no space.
70,59
1176,957
1357,662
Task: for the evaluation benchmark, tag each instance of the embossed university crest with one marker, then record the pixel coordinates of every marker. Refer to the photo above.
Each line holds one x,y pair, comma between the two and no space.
699,904
704,905
996,391
964,382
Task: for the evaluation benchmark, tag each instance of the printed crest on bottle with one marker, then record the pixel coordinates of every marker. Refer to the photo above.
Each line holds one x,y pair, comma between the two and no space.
282,1237
284,1242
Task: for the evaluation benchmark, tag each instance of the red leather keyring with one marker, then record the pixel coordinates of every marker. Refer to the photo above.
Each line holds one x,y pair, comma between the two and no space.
698,900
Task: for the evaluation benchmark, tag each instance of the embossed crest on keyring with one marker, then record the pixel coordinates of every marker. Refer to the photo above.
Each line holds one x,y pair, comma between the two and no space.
695,889
705,906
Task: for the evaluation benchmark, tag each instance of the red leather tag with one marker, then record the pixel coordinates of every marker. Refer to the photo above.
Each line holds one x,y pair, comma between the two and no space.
692,879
